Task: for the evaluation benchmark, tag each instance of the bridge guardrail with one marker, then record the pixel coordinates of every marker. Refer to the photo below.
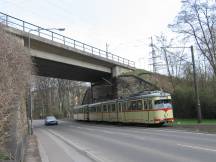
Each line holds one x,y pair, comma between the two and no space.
44,33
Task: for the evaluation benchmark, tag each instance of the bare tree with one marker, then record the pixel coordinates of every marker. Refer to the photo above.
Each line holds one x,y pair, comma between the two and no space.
57,96
173,59
197,20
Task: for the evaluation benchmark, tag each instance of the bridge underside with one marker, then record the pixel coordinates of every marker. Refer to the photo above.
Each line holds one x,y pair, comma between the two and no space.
54,69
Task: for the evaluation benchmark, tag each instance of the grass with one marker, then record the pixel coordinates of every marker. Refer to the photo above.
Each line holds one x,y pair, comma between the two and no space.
194,122
4,156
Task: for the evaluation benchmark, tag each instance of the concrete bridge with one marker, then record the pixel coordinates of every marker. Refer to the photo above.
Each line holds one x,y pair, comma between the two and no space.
59,56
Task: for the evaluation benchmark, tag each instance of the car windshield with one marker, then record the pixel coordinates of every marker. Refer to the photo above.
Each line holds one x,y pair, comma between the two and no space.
50,118
163,104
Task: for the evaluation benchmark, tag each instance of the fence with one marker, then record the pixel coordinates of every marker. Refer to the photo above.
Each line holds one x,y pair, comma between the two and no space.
17,153
48,34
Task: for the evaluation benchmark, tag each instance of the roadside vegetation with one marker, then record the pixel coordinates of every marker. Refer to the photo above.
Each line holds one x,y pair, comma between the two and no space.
54,96
194,122
183,95
195,25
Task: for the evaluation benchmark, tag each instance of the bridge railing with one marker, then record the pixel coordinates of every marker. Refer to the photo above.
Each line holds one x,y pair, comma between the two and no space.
44,33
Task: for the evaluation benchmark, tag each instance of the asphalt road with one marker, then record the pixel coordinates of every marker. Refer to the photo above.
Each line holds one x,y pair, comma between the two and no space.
86,142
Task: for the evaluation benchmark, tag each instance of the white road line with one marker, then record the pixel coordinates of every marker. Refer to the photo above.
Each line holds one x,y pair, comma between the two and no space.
197,147
42,152
78,147
152,150
183,131
156,132
108,132
92,129
60,144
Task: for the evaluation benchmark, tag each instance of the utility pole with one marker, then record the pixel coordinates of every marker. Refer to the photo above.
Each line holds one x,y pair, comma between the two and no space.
107,49
168,69
153,57
199,113
167,63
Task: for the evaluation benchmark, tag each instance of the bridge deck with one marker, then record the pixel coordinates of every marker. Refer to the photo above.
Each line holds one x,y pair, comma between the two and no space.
29,28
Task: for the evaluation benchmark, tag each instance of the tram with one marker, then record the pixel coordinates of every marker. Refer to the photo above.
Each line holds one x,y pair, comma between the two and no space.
149,107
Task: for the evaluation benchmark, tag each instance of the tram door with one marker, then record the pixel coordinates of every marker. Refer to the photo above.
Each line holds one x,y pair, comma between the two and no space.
146,112
119,112
86,113
150,112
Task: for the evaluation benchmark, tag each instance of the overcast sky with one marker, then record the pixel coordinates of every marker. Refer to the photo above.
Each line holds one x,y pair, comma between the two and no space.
126,25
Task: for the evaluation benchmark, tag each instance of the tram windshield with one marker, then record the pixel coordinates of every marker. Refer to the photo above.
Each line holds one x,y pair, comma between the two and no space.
163,104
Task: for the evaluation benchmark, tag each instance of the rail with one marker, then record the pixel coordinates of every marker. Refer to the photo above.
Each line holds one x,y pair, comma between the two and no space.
19,24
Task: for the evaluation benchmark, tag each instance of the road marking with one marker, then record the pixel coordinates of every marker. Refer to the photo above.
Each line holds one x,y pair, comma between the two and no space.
158,130
183,131
135,147
42,152
79,148
197,147
108,132
60,144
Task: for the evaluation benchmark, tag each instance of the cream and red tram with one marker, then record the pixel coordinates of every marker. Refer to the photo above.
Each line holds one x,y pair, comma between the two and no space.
151,107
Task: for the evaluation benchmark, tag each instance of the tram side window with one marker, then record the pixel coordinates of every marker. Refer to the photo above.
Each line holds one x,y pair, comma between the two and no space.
104,108
80,110
85,109
133,105
98,108
93,109
109,108
75,111
124,108
139,105
113,107
119,107
145,105
129,105
90,109
150,104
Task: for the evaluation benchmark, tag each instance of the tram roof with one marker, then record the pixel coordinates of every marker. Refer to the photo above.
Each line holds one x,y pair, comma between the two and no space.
147,94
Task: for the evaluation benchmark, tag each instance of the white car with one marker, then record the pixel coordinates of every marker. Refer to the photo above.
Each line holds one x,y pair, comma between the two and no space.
51,120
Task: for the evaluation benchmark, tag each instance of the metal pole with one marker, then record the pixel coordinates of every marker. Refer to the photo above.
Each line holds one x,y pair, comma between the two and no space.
31,105
30,95
153,57
92,97
29,111
29,40
199,112
107,48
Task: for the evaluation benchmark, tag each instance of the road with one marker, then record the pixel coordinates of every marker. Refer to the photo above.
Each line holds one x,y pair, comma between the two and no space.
87,142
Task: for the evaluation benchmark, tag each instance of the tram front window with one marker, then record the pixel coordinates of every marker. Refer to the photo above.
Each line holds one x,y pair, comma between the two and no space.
163,104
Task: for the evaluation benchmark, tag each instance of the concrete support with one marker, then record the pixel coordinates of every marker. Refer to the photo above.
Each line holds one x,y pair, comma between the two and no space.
117,70
114,88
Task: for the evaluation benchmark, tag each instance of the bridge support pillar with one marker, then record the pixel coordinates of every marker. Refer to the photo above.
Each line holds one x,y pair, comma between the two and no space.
117,70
